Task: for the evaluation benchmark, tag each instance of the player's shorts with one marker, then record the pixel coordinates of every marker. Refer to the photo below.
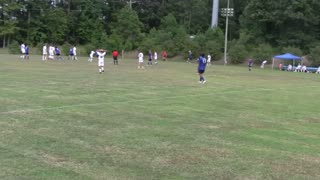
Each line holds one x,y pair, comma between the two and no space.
141,60
115,58
150,59
101,63
200,71
23,51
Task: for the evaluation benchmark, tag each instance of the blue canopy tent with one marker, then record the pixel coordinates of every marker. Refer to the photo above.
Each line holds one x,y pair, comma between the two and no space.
286,56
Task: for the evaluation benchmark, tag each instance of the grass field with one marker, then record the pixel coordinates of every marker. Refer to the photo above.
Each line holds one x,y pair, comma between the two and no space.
66,121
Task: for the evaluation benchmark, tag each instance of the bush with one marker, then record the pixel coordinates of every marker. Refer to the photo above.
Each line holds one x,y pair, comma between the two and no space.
315,56
262,52
238,53
14,47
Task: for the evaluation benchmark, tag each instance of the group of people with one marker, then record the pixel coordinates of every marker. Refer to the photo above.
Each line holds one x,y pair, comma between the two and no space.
190,58
53,52
24,49
152,56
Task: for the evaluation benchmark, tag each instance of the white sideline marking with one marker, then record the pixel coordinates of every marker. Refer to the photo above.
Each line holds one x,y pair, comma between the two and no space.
104,103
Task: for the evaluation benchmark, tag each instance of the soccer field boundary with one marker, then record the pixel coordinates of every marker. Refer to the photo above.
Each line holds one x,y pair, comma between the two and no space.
129,101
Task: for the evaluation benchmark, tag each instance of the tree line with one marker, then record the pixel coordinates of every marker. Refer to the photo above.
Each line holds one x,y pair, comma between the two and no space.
258,28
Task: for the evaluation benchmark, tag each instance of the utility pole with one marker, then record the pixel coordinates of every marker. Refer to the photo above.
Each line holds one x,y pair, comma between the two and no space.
130,3
226,12
215,12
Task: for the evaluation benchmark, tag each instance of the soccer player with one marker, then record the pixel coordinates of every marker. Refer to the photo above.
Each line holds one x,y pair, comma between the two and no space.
202,63
250,63
209,60
140,60
189,56
23,51
155,56
26,56
115,57
71,55
51,53
263,63
58,53
74,49
150,58
44,52
101,53
91,56
318,70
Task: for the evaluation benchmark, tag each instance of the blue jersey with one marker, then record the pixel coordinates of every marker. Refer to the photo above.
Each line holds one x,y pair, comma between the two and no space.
27,49
57,51
71,52
202,63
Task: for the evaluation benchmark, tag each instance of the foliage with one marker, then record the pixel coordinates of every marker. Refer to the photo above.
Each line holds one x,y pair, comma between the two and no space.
293,50
237,53
161,24
128,27
315,56
14,47
262,52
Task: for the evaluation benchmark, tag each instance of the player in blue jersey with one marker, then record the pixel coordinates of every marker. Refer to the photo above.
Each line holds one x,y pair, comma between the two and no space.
202,63
58,53
26,56
71,55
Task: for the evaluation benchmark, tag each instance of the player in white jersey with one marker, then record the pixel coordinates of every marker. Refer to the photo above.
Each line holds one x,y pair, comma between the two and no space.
209,60
140,60
51,53
91,56
155,57
44,52
75,53
101,53
23,51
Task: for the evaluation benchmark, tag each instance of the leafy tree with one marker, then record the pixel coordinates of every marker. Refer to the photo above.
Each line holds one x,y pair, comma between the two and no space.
237,53
262,52
214,43
293,50
8,19
127,26
315,55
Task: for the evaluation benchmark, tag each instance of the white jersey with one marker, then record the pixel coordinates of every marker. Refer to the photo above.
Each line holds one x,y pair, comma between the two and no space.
155,55
140,57
44,50
101,58
74,49
209,58
23,48
91,54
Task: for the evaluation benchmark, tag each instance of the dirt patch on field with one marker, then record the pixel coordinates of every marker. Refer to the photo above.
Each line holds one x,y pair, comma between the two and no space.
53,160
312,120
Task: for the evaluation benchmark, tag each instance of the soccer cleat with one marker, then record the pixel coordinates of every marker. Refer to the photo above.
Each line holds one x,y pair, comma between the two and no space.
204,81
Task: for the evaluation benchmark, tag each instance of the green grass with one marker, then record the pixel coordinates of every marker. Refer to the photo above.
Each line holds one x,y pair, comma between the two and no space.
66,121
